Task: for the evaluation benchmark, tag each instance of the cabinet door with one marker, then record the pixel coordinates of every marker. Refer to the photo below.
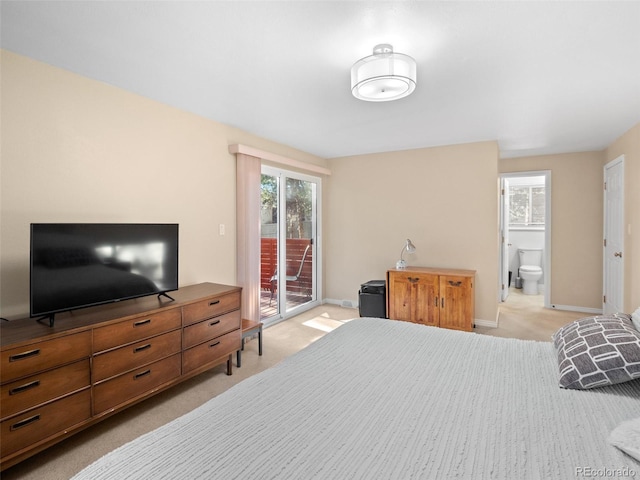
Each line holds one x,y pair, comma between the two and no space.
399,297
413,297
456,304
425,289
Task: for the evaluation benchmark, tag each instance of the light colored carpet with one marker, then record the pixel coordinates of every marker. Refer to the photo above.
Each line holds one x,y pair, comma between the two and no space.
63,460
453,405
524,316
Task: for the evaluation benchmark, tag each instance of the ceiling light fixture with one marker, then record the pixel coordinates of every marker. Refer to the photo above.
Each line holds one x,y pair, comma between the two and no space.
383,76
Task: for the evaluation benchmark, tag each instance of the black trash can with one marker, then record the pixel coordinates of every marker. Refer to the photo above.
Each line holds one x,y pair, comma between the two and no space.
372,299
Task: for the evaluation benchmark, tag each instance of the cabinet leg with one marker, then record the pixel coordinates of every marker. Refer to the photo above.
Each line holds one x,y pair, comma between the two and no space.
230,364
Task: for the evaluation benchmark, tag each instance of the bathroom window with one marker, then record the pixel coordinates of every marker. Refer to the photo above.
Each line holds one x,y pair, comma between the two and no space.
526,206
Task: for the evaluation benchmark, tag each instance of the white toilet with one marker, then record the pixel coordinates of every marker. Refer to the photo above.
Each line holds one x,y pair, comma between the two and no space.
530,269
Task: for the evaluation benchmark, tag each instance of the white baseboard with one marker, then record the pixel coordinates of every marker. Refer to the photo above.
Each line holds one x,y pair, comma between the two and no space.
342,303
485,323
571,308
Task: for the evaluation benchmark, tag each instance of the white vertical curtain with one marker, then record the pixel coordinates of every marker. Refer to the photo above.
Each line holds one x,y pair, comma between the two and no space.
248,173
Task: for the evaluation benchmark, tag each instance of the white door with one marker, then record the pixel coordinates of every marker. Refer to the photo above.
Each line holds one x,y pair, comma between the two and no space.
504,246
613,298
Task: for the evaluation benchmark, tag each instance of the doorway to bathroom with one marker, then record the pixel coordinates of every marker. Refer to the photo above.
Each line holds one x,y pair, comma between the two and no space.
525,235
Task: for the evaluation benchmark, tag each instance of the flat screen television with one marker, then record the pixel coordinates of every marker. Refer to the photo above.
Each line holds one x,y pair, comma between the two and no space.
77,265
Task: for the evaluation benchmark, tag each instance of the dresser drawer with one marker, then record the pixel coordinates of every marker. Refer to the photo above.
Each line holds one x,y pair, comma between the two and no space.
31,391
211,351
115,362
112,393
210,308
211,328
42,422
135,329
24,361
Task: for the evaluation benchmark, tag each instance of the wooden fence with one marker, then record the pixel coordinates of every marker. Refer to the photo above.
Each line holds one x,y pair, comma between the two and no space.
295,251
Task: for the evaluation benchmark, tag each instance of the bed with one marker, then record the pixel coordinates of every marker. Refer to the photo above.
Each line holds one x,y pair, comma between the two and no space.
394,400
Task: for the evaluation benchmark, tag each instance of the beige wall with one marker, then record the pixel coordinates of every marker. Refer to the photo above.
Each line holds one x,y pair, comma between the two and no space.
576,224
444,199
629,146
74,149
77,150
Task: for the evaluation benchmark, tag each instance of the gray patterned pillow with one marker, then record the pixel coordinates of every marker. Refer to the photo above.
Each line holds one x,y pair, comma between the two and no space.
598,351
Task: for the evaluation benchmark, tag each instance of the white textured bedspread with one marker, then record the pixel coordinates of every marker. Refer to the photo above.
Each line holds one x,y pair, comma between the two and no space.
379,399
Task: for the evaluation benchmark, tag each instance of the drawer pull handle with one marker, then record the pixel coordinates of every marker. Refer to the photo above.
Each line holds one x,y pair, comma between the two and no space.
436,304
442,302
142,374
215,322
26,386
22,356
413,279
454,284
215,302
25,422
214,344
141,348
142,322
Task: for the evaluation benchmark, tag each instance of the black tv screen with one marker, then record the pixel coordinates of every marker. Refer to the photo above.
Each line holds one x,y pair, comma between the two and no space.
76,265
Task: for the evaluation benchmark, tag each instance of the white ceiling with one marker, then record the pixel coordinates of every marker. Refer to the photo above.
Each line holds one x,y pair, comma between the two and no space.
539,77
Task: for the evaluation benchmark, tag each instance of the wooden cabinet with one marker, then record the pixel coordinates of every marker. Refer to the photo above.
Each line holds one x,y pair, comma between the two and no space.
457,301
120,360
115,392
49,421
212,327
45,390
40,355
97,361
136,328
430,296
133,369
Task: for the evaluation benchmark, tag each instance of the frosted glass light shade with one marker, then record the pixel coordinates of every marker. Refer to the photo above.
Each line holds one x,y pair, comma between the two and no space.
383,76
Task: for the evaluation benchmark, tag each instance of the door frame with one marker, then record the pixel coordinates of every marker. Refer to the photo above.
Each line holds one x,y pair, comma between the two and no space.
316,247
504,284
606,212
547,231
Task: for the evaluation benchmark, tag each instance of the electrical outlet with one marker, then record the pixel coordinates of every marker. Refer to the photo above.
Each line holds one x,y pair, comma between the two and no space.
222,229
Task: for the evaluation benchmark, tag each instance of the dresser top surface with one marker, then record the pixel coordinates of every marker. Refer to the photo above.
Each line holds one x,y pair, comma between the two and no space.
28,330
435,271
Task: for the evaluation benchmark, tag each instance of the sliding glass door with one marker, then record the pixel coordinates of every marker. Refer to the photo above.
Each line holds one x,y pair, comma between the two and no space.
289,239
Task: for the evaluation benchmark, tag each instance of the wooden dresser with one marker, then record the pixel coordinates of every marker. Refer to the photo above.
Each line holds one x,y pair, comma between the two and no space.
56,381
432,296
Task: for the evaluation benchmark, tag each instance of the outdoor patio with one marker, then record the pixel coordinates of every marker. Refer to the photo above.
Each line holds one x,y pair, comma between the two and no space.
293,300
